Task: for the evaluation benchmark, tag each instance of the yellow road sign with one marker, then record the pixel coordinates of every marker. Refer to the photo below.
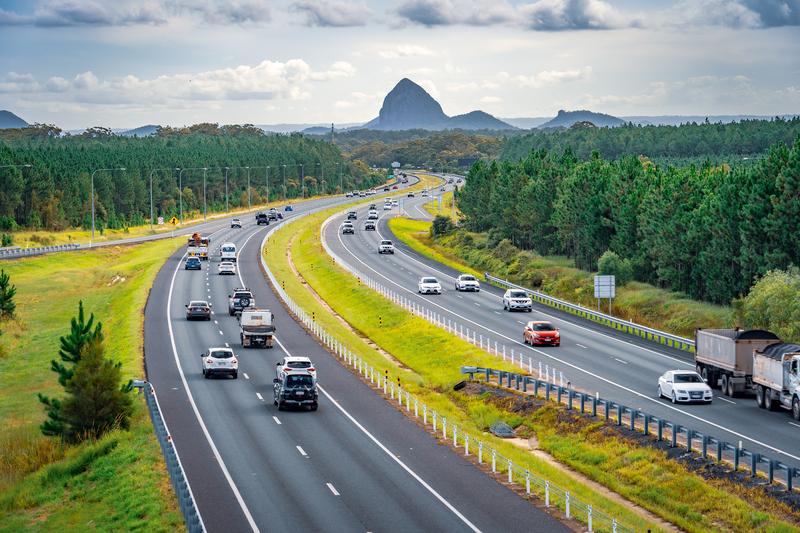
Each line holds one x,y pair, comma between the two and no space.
173,220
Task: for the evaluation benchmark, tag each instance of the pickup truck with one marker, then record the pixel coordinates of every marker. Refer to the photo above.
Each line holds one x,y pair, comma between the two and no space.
256,327
776,376
241,299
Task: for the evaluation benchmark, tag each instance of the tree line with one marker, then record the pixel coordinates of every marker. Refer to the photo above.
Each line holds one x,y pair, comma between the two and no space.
706,230
50,184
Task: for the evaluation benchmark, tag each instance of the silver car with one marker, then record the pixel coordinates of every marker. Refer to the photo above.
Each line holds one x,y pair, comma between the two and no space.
517,300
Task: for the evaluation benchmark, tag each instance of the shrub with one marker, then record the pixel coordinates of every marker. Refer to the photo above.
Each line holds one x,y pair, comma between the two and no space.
610,264
6,240
773,303
7,223
442,226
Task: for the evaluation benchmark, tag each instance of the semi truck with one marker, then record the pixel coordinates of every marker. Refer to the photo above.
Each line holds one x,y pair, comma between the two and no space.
256,327
776,376
198,246
724,357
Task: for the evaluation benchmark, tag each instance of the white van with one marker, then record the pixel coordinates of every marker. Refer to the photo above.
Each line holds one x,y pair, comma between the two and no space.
228,251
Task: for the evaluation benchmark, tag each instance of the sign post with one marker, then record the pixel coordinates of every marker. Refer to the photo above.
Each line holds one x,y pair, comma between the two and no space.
604,287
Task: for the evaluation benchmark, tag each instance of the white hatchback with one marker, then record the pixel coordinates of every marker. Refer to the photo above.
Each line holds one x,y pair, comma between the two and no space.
684,386
467,282
220,361
227,268
293,364
429,285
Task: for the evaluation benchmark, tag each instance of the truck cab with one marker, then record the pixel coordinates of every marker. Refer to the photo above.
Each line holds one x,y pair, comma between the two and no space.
776,376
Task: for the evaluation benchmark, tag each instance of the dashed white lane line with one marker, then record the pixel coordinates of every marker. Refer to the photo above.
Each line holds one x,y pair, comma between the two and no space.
459,296
497,312
215,322
520,322
220,332
227,345
726,400
302,451
275,418
620,361
333,489
259,396
795,425
245,375
476,303
580,345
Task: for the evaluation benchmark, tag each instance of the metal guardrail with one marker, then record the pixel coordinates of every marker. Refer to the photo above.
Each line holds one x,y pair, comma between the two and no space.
12,253
194,522
636,420
627,326
472,446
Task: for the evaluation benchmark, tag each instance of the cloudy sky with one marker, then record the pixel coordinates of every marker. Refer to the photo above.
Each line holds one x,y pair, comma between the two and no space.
124,63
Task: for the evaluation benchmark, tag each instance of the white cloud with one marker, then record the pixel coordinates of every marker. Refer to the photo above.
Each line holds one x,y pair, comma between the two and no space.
734,13
334,13
491,99
448,12
555,15
405,50
547,77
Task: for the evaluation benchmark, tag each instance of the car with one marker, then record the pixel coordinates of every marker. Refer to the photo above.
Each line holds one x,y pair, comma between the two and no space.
272,215
220,360
227,268
541,332
429,285
467,282
395,203
459,180
262,218
394,187
410,194
386,247
352,215
372,207
424,194
450,180
386,189
348,195
240,299
227,252
369,225
198,310
288,208
348,228
441,189
192,263
236,223
292,363
684,386
387,206
295,389
373,215
517,299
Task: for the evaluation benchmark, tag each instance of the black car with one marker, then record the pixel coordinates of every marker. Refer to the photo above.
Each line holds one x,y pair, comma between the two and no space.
352,215
193,263
262,218
296,389
198,310
348,228
369,225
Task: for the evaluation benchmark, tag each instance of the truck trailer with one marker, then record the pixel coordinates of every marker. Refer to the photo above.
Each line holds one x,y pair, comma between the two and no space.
256,327
776,376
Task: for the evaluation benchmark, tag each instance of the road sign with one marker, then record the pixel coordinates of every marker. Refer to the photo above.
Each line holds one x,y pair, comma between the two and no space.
160,221
604,287
173,221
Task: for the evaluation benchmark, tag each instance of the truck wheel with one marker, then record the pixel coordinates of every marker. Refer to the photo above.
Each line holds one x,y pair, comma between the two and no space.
772,403
796,408
731,388
760,397
724,384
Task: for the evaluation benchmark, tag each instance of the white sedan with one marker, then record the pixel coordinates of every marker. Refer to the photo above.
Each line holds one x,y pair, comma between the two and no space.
428,285
467,282
684,386
227,267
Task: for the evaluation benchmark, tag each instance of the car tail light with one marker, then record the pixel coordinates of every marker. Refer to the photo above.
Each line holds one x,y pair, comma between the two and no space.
286,369
311,369
234,361
209,361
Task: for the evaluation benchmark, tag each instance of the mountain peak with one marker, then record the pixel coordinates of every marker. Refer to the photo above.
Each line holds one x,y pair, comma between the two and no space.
566,119
10,120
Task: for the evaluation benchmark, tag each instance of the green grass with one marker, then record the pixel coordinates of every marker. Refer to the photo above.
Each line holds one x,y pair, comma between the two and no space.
429,365
120,482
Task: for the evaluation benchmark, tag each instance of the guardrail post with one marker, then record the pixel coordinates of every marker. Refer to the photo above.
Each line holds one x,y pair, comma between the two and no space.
516,381
719,450
789,478
704,444
771,471
488,375
525,384
510,472
547,391
583,402
570,395
634,414
660,430
689,436
559,390
619,415
594,406
736,455
547,493
646,430
753,464
675,429
508,374
494,461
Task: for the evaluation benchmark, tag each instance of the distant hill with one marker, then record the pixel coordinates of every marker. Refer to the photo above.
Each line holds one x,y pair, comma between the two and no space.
141,131
526,123
10,120
566,119
677,120
409,106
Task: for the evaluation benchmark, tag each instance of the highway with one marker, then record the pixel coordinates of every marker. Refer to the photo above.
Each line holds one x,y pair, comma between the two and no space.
593,358
357,464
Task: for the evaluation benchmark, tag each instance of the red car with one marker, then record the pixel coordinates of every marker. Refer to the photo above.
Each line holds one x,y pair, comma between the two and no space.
541,332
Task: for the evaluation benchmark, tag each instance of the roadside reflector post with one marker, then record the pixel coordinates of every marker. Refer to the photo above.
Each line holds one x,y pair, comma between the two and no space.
527,483
547,493
494,460
444,427
566,501
480,452
510,471
466,444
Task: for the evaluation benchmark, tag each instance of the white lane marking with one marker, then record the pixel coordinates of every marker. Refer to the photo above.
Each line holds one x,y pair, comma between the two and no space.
795,425
520,322
726,400
275,418
390,454
459,296
227,345
333,489
197,415
620,361
245,375
578,368
476,303
302,451
215,322
497,312
220,332
581,345
259,396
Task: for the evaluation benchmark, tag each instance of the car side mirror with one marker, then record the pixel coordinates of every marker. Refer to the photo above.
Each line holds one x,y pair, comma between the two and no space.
278,363
187,305
669,381
276,380
229,296
705,380
202,355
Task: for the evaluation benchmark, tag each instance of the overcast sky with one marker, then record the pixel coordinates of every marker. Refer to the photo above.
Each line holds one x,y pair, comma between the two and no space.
122,63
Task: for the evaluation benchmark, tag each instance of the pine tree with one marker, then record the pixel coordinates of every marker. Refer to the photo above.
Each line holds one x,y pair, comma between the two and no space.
7,293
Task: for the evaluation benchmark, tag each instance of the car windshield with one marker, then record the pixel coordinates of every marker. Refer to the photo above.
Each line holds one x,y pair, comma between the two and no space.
467,278
298,364
228,249
198,304
221,354
688,378
544,326
429,280
518,294
193,260
242,295
386,242
299,380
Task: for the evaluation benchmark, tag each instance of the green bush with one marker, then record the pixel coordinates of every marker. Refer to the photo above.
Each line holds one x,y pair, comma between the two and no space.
7,223
773,304
610,264
6,240
442,226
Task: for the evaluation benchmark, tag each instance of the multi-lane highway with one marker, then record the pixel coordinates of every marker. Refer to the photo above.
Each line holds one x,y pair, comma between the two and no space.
357,464
595,359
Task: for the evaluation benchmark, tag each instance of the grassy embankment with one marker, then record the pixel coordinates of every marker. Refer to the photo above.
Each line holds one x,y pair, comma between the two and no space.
118,483
557,276
427,363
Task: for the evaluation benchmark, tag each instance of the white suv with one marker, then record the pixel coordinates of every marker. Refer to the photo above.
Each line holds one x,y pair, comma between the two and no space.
292,363
220,361
428,285
386,247
467,282
516,299
373,215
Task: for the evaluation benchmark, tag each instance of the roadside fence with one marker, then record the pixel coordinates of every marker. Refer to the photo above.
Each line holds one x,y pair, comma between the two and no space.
13,253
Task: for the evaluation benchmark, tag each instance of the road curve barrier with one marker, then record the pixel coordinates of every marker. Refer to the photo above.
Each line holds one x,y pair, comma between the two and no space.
13,253
194,522
618,414
674,341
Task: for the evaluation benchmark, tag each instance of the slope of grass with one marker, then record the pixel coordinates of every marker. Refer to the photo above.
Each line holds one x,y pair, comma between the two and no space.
119,482
429,361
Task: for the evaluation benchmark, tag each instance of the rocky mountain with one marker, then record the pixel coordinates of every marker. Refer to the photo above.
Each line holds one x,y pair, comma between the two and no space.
565,119
10,120
409,106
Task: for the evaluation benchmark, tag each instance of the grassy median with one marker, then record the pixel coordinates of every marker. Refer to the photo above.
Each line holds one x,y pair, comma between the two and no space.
427,362
118,483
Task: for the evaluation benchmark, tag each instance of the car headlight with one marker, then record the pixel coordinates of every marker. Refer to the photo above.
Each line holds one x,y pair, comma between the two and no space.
681,391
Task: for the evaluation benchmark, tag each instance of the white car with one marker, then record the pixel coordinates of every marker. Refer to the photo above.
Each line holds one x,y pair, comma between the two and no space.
220,361
387,206
228,252
236,223
386,247
684,386
373,215
395,203
293,364
515,299
428,285
227,268
467,282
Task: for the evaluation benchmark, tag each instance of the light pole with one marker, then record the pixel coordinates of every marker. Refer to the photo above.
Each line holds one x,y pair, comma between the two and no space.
152,214
319,178
248,189
227,210
180,187
341,182
91,242
266,182
204,192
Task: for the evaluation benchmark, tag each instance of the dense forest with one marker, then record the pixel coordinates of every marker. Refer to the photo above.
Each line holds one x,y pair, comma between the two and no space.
46,181
706,230
718,142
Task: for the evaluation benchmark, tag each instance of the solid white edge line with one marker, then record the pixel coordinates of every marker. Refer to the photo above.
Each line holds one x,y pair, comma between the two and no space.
332,489
258,395
197,415
245,375
275,418
795,425
567,363
301,450
391,455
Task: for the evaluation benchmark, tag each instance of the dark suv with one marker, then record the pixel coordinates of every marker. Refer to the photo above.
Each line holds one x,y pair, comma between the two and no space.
240,299
262,218
296,389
